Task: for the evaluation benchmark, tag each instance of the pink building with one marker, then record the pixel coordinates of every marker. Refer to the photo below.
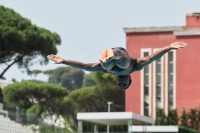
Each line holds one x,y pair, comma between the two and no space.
172,81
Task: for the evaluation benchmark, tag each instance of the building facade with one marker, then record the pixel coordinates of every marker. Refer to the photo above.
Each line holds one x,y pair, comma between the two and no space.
171,81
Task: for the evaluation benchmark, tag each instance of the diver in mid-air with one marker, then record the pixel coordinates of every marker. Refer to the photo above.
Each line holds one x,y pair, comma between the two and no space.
117,62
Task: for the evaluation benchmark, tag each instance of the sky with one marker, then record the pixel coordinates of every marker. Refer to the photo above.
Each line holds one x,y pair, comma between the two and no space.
88,26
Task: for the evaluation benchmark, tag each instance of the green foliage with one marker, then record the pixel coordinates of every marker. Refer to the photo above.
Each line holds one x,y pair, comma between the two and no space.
30,93
191,118
32,114
73,79
34,72
55,75
14,80
66,108
54,107
48,129
33,128
186,130
36,98
49,100
172,118
193,122
68,77
20,94
48,72
95,98
188,119
88,80
161,118
104,80
184,118
108,90
22,42
36,81
87,100
48,92
198,118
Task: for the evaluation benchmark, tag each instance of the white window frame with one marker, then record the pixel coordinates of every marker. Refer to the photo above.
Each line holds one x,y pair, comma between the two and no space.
142,51
166,81
154,84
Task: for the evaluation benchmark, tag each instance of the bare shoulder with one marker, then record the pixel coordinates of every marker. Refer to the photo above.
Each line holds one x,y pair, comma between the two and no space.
141,62
135,66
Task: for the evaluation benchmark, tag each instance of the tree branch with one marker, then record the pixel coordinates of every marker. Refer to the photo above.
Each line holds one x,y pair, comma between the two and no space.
1,75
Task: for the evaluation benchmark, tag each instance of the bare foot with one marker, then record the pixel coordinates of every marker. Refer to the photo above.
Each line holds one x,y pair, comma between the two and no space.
178,45
106,55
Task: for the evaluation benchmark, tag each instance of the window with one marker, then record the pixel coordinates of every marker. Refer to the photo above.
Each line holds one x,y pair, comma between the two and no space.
146,90
146,86
158,81
170,78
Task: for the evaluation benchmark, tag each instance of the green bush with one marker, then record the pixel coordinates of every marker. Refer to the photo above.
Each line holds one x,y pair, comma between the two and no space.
186,130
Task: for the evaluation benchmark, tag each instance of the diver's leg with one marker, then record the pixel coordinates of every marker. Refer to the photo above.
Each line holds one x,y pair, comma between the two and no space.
121,58
105,58
114,56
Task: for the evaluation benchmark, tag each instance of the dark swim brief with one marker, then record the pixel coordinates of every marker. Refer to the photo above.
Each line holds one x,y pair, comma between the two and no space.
116,68
119,48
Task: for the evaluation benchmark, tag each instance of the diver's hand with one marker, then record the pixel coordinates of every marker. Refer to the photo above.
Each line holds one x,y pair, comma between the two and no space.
178,45
55,58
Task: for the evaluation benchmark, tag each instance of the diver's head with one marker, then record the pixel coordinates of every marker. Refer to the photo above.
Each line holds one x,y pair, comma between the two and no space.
123,82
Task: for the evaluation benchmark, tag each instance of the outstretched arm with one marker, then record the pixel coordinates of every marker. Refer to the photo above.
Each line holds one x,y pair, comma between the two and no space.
141,62
76,64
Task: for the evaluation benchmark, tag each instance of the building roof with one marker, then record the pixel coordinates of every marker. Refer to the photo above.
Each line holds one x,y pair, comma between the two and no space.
197,14
153,29
114,118
177,30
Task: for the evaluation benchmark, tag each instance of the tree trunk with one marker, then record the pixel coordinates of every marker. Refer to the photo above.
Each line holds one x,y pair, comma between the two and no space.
1,75
24,121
